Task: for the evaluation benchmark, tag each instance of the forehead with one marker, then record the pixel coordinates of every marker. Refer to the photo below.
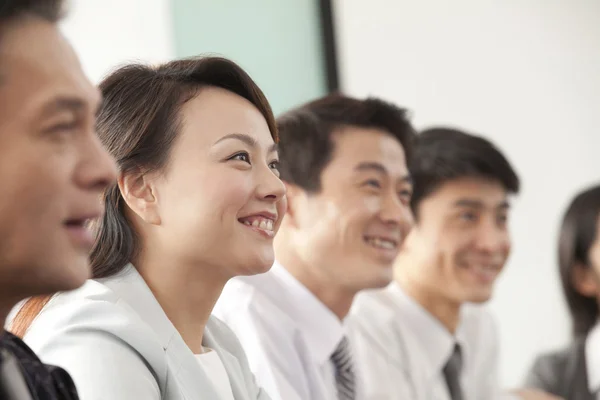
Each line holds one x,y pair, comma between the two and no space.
217,112
36,64
355,145
488,193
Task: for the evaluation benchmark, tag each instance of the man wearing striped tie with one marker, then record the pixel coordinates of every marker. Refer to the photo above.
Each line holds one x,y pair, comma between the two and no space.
428,335
344,162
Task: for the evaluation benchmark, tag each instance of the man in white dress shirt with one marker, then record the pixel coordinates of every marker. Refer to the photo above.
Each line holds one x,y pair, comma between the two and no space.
418,338
344,162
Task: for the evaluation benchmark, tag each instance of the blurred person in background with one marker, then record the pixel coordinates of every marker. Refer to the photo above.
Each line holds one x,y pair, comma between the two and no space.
419,338
344,163
52,170
198,201
574,372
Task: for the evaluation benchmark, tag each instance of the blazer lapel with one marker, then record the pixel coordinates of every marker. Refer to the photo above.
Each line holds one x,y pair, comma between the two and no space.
232,366
190,378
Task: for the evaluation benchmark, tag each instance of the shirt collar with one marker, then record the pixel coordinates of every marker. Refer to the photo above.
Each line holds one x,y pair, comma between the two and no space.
592,349
321,328
437,342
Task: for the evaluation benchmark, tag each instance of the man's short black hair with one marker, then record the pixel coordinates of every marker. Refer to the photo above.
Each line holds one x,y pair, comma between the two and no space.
305,143
445,154
50,10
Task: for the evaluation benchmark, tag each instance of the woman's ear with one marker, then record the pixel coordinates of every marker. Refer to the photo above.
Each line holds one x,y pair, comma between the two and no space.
585,280
138,191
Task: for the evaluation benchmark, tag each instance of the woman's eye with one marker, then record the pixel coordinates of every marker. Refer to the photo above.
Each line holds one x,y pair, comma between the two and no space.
245,157
274,165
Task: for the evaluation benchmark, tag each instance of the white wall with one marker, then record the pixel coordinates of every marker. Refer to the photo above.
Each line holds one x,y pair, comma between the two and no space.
525,73
108,33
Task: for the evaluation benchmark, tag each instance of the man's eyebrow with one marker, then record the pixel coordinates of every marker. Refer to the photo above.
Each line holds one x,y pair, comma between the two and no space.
505,205
472,203
371,166
406,179
64,103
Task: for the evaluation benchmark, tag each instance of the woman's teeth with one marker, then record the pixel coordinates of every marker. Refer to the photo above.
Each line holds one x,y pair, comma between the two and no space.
262,223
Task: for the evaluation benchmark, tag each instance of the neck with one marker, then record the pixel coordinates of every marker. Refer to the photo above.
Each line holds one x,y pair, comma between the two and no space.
187,293
444,310
336,298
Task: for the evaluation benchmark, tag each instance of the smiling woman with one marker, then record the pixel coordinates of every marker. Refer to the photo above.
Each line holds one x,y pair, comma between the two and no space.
198,201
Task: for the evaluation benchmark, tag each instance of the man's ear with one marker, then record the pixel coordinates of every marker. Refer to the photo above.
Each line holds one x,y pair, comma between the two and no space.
296,196
140,195
585,280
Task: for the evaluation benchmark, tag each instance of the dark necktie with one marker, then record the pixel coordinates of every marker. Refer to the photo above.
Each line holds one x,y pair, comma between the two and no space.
452,374
344,370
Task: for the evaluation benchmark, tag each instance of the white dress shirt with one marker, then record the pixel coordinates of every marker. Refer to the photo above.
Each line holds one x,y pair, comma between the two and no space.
401,349
215,370
592,360
287,333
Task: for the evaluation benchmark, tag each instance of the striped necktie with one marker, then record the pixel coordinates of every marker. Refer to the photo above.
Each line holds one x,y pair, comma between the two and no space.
344,370
452,374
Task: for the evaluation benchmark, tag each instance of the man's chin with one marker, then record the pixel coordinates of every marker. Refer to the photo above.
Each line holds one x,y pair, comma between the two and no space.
74,276
378,281
480,298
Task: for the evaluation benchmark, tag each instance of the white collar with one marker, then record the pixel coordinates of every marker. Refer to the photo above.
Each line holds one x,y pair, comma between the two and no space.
592,350
437,342
321,328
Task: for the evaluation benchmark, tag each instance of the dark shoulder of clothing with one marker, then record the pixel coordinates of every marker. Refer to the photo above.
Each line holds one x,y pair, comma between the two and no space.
45,382
562,373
